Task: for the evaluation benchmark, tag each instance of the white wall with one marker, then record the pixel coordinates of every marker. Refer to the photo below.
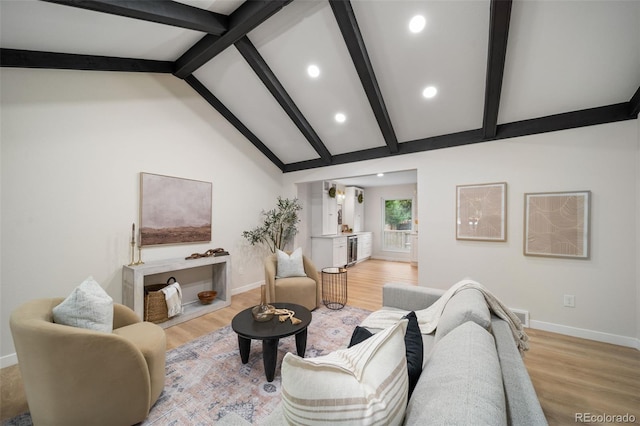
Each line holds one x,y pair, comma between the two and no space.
603,159
373,216
73,145
637,260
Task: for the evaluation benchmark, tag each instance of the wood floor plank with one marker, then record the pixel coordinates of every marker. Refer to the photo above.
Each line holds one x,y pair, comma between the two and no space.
570,375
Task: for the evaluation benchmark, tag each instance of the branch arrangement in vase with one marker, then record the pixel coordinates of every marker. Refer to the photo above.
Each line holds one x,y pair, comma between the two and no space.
279,225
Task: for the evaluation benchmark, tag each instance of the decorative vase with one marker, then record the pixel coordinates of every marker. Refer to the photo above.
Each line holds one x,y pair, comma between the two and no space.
263,312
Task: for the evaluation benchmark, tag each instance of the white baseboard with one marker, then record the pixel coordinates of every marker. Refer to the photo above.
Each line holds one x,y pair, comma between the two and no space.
391,259
247,287
583,333
8,360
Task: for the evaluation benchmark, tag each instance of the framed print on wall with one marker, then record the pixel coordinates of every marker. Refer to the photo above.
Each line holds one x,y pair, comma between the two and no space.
174,210
556,224
481,212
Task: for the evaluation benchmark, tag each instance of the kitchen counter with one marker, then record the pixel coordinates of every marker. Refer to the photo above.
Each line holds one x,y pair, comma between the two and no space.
339,250
346,234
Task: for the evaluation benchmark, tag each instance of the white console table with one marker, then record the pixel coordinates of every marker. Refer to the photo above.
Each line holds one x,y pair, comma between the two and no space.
194,276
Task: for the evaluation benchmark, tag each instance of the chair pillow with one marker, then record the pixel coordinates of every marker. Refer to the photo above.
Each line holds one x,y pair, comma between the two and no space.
413,344
367,383
290,265
88,306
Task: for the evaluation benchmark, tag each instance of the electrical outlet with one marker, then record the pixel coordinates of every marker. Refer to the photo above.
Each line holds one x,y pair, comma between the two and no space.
569,301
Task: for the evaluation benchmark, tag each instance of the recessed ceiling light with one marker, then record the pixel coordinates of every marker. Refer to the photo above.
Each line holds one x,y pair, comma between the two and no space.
340,117
417,23
313,71
429,92
380,174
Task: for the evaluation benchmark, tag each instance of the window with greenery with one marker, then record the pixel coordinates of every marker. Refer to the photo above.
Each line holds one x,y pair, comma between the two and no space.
398,223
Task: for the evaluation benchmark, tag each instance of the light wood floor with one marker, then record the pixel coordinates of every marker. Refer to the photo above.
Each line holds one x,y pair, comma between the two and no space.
570,375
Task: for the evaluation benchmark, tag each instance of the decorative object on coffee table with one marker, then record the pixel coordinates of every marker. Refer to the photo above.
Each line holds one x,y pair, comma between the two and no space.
263,312
270,332
334,287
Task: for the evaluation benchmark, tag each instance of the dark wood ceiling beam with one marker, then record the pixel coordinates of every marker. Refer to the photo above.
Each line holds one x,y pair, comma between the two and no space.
271,82
498,34
348,24
14,58
160,11
552,123
427,144
244,19
231,118
634,104
565,121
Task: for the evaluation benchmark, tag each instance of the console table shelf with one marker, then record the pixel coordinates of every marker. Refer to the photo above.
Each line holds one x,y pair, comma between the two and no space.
194,275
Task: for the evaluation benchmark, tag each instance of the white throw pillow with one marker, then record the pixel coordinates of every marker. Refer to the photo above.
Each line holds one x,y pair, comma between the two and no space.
290,265
88,306
364,384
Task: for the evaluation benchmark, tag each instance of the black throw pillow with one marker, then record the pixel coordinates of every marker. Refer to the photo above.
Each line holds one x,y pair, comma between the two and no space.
360,334
412,342
415,350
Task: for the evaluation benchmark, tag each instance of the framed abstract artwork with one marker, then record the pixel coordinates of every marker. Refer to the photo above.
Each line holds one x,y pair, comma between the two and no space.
174,210
481,212
556,224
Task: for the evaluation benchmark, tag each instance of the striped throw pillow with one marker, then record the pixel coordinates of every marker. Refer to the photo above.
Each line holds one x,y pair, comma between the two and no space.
365,384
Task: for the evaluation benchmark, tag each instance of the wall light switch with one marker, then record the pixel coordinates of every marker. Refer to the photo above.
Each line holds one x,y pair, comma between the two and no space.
569,300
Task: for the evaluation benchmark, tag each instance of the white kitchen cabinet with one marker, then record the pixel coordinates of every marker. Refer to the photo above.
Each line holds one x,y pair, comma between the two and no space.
324,209
354,208
329,252
365,240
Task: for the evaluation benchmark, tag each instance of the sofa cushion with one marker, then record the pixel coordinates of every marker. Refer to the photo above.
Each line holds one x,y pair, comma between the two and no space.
466,305
290,265
365,383
88,306
462,382
413,345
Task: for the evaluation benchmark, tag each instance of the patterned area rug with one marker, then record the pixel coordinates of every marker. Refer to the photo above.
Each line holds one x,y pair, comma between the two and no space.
206,379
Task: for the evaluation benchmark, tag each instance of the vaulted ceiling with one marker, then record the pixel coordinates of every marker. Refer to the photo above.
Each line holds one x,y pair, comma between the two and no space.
500,69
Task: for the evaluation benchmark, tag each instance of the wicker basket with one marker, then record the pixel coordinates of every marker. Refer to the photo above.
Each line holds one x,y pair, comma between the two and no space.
155,303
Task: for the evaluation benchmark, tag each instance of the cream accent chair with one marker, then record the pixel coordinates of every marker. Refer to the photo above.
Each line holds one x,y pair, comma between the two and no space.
76,376
305,291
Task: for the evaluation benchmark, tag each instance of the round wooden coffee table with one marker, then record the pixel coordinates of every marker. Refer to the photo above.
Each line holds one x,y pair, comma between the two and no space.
270,333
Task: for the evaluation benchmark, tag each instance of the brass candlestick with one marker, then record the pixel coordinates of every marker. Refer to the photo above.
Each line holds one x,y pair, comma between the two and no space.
133,252
139,262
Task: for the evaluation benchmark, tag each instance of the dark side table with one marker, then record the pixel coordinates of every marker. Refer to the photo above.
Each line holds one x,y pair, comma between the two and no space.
270,333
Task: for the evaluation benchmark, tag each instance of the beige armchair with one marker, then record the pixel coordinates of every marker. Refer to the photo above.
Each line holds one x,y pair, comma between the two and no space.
305,291
76,376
